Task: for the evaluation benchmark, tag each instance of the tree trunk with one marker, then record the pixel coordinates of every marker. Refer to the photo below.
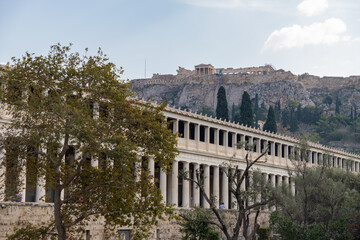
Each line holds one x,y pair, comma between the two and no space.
57,211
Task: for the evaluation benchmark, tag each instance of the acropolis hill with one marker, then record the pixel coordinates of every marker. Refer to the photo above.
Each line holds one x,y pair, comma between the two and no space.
196,89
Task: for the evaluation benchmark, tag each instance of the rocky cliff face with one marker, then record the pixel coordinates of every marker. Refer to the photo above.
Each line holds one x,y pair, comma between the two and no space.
200,91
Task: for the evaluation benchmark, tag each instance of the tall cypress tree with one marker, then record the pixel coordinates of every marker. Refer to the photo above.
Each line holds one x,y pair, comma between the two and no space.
222,110
270,124
277,110
294,126
246,111
256,108
337,105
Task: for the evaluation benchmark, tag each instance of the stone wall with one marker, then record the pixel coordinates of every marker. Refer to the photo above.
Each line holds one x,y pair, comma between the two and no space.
39,214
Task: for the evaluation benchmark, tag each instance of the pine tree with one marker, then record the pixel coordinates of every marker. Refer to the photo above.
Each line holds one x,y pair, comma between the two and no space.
222,110
351,114
246,111
337,105
270,124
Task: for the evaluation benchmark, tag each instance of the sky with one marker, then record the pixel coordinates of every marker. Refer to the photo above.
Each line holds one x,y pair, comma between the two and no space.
319,37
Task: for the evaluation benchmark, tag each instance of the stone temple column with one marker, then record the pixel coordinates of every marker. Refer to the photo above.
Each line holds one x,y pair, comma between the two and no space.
225,189
273,183
175,126
316,158
206,184
196,190
152,168
186,188
292,186
40,189
216,187
174,183
23,183
163,184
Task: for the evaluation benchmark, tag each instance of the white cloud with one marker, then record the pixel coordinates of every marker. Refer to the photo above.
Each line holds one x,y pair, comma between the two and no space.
312,7
328,32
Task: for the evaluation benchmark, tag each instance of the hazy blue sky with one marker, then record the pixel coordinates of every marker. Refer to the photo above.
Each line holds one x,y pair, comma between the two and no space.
321,37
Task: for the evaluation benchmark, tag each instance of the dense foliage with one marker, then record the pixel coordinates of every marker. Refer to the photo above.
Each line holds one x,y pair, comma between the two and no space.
195,226
222,111
326,204
270,124
246,111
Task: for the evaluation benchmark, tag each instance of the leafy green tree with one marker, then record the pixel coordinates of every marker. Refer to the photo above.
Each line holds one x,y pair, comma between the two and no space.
337,105
222,110
246,112
270,124
195,225
73,111
325,203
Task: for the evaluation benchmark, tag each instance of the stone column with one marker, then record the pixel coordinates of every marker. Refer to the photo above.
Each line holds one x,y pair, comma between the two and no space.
233,200
266,145
272,144
174,183
197,134
316,162
233,138
309,157
279,151
216,185
163,184
151,166
196,190
186,188
292,187
286,180
186,133
242,140
216,139
258,145
251,142
273,183
207,137
175,126
40,189
186,130
225,189
206,185
23,182
225,141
